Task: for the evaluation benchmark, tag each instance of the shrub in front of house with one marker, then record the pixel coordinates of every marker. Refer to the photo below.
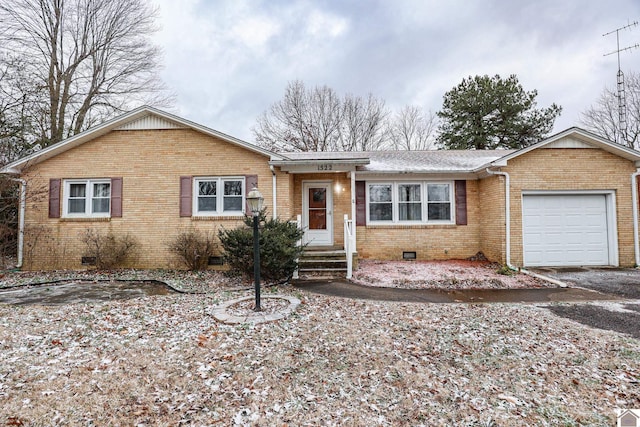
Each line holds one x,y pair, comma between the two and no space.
193,248
108,250
279,248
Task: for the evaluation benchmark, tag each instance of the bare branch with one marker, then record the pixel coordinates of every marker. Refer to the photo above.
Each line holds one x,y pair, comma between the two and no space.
603,118
413,129
89,59
319,120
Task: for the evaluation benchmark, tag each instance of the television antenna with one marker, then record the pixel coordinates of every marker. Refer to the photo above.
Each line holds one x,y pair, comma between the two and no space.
622,104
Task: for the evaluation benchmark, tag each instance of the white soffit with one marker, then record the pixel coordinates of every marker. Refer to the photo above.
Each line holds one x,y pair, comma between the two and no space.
150,122
568,142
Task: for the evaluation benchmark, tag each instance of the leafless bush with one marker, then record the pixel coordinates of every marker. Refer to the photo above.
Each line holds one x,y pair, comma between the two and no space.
109,250
7,245
9,195
193,248
42,249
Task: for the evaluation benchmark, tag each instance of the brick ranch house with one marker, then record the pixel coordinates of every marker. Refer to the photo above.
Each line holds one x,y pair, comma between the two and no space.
569,200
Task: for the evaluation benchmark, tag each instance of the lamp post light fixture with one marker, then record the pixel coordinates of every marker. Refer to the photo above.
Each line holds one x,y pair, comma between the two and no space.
254,200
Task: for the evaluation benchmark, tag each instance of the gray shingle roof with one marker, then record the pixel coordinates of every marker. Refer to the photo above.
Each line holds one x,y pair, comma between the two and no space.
411,161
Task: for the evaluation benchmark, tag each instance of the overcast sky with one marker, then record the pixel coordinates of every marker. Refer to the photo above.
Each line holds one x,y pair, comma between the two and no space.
228,60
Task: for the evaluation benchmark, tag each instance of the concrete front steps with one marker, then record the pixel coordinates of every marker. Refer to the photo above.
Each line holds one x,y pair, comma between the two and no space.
323,261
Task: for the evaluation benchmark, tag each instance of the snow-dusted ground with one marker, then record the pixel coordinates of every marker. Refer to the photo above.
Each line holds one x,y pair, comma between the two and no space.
451,274
163,360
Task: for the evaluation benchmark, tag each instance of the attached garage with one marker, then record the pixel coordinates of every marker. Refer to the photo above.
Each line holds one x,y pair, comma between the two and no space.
568,229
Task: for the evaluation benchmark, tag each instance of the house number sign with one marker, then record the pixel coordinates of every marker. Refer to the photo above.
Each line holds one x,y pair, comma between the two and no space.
325,167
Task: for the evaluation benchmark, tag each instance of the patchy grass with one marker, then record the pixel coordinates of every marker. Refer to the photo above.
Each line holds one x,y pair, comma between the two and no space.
165,361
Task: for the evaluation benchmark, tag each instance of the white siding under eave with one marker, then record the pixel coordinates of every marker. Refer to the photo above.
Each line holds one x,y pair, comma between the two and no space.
568,142
150,122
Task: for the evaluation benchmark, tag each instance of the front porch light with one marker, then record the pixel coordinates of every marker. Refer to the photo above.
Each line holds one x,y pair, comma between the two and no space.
255,200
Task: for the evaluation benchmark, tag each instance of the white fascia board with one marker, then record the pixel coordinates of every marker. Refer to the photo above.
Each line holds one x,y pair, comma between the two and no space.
287,162
417,175
319,166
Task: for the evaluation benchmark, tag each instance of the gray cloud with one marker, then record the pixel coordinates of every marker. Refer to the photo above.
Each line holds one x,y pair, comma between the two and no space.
229,60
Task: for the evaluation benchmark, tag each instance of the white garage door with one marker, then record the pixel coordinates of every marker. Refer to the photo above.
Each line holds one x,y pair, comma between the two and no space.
564,230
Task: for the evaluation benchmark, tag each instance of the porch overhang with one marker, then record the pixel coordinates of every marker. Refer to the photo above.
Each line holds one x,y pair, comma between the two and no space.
319,165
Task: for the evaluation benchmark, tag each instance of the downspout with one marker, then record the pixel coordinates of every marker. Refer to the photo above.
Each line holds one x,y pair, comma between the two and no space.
353,207
507,198
23,209
634,198
273,185
507,214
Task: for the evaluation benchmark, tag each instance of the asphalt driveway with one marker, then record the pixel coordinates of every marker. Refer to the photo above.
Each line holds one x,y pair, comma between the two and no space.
621,316
622,282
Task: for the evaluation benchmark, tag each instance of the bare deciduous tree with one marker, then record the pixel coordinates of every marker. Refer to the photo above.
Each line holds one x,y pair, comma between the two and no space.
319,120
304,120
363,124
603,118
17,107
89,59
412,129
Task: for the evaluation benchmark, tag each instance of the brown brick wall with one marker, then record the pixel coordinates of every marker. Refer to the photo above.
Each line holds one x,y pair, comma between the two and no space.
387,242
492,214
151,163
573,169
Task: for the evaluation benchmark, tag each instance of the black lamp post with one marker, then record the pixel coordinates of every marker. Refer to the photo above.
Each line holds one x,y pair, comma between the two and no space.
254,200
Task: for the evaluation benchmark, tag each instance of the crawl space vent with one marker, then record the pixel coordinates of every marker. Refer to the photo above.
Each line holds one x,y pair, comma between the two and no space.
409,255
216,260
88,260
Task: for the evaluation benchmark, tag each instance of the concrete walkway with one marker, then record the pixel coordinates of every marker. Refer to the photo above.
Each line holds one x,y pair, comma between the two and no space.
343,288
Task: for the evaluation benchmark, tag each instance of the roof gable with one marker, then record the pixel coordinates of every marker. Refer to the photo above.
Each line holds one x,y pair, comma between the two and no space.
573,138
150,122
143,118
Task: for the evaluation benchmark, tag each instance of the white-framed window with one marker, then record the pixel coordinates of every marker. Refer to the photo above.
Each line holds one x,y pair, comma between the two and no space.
87,198
439,202
416,202
409,202
218,196
380,202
